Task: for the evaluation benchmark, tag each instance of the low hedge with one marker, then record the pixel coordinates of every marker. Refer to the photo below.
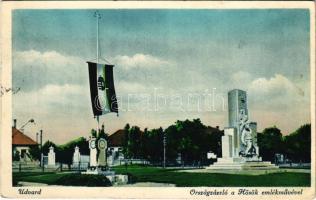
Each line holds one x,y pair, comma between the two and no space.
84,180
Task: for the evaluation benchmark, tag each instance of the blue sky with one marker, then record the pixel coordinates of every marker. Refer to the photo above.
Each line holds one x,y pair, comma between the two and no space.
265,52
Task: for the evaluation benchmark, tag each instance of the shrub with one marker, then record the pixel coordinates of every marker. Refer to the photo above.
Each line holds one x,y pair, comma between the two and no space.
84,180
14,182
131,178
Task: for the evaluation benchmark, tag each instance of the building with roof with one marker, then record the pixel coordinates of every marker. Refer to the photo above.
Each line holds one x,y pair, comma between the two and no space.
117,138
21,145
116,142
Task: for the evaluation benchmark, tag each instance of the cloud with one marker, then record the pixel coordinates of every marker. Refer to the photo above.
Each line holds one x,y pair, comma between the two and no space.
31,57
278,85
33,69
62,111
241,76
128,87
278,94
140,61
52,98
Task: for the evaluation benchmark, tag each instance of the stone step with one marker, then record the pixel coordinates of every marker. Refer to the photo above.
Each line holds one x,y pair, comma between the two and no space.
242,165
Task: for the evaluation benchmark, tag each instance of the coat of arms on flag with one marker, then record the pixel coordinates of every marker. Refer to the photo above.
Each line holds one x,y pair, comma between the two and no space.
102,91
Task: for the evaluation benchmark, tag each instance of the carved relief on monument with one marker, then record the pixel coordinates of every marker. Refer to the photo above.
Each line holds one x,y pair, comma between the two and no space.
246,136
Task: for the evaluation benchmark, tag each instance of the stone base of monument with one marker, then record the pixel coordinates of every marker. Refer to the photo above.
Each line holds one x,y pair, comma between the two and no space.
241,164
116,179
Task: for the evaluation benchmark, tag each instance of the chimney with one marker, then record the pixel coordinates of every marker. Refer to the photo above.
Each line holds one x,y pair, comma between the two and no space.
14,123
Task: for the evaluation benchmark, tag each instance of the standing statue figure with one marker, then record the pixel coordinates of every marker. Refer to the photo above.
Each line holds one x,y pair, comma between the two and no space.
246,134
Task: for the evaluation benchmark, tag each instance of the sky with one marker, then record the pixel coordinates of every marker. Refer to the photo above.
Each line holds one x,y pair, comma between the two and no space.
169,65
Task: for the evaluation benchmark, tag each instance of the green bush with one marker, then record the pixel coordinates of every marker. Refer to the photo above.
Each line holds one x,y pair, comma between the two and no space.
131,178
84,180
14,182
16,156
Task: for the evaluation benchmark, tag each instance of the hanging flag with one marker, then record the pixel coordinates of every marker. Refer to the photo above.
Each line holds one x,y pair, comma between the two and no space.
102,91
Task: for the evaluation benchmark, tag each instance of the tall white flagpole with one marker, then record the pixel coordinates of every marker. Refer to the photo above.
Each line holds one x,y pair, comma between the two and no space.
98,16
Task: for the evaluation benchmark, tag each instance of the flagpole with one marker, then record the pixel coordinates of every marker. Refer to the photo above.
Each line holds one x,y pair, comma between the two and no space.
98,16
98,126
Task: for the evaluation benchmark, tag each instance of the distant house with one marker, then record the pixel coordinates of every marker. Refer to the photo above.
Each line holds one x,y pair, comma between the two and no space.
116,142
21,144
117,138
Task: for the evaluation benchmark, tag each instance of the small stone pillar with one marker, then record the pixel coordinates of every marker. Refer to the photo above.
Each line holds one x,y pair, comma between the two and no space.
51,157
76,157
93,152
102,145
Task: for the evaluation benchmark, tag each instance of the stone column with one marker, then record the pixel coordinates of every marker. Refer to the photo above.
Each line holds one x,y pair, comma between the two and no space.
76,157
93,152
102,145
51,157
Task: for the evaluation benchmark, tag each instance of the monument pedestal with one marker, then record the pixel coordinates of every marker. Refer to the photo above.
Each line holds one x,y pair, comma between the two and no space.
116,179
98,171
99,166
240,163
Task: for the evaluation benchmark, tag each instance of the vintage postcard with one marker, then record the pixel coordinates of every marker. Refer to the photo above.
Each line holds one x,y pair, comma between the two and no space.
178,100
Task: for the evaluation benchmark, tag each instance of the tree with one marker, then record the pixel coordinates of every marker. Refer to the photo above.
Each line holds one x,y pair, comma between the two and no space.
46,146
93,133
133,148
270,142
298,144
16,156
102,133
125,149
65,151
35,152
172,139
153,145
192,140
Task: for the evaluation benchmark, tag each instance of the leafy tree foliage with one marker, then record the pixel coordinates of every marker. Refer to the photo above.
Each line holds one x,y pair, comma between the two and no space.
191,139
295,146
270,143
48,144
35,152
66,150
126,152
16,156
298,144
64,153
153,145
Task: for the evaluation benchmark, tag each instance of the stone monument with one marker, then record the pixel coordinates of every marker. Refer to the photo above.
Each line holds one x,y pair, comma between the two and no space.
102,146
76,157
51,157
239,143
93,153
98,162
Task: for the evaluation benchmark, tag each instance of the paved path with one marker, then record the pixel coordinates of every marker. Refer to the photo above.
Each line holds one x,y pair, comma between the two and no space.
140,184
245,172
24,183
147,184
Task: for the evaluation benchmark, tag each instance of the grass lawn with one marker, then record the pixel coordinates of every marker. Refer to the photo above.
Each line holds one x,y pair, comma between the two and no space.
184,179
38,177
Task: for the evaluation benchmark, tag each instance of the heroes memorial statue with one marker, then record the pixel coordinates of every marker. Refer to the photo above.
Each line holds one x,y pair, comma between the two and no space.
239,142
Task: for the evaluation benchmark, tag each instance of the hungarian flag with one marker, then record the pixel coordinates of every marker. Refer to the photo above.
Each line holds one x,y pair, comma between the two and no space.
103,98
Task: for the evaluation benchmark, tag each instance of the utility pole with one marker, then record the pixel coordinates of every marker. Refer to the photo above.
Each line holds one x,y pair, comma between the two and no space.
42,157
164,150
